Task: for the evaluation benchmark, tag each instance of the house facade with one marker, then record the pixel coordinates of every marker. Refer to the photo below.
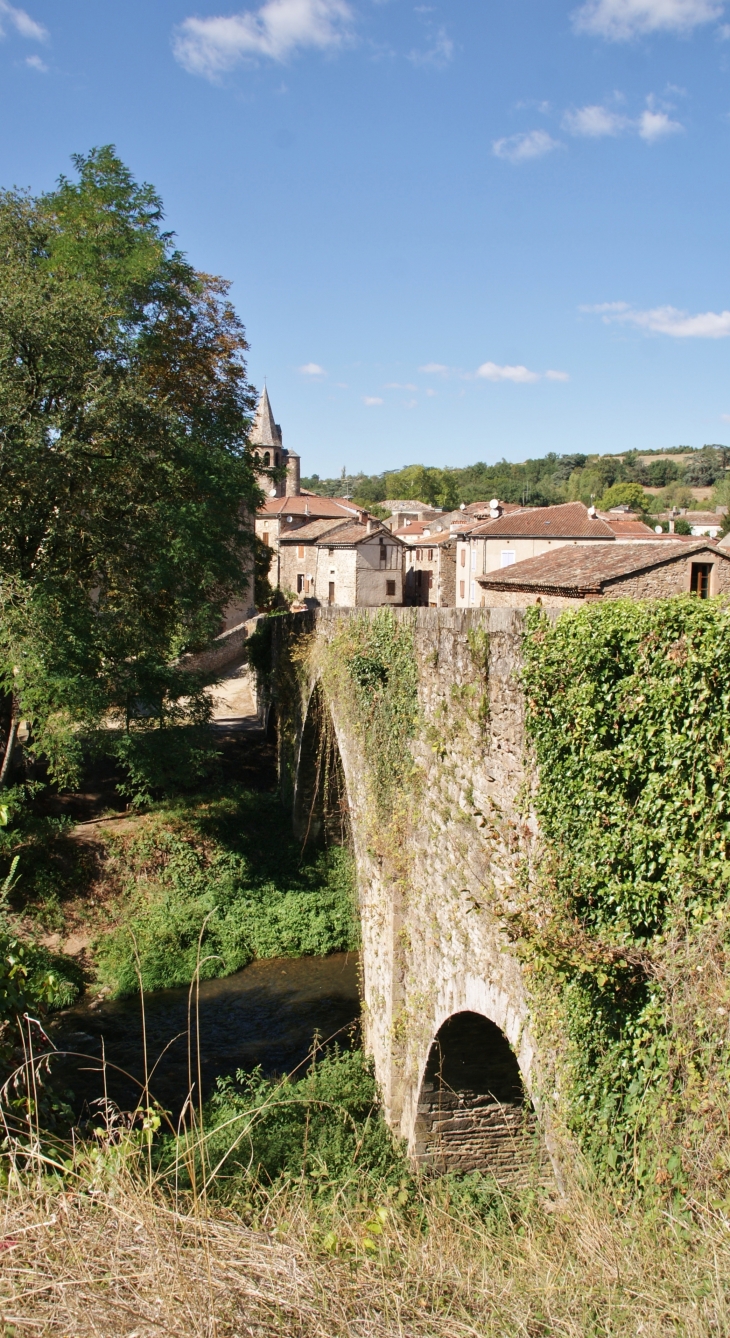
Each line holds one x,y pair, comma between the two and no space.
429,570
354,565
512,537
570,576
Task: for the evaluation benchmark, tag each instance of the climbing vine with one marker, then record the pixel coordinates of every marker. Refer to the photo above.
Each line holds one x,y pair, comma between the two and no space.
369,667
628,711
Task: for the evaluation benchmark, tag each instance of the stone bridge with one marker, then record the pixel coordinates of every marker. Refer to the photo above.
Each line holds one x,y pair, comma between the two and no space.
446,1017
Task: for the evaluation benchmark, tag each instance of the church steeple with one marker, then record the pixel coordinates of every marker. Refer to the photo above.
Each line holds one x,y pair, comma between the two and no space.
264,431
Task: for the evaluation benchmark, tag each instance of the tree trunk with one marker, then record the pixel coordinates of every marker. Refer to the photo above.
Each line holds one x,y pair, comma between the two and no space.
9,745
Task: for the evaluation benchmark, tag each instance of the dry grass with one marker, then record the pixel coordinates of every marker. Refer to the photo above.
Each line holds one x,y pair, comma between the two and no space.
120,1263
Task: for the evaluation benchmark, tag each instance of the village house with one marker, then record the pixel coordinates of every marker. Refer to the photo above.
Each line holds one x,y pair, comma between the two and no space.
572,575
404,513
430,570
511,537
353,564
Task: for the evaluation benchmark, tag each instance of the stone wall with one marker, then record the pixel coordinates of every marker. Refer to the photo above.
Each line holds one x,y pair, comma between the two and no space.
435,882
671,579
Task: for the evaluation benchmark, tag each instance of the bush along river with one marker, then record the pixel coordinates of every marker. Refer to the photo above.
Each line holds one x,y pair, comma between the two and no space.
269,1014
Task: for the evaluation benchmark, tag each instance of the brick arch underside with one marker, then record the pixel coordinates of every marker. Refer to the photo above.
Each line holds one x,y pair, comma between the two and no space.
474,1110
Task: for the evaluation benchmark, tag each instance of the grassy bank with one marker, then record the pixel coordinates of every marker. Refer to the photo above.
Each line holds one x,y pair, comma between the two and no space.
221,863
295,1213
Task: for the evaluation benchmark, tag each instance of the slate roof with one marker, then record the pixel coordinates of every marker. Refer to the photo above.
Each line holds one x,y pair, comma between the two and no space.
264,431
570,520
576,571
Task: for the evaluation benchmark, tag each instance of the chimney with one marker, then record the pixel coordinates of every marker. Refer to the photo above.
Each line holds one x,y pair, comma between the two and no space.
371,526
592,512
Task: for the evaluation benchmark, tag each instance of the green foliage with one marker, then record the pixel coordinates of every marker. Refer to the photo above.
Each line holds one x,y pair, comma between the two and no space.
370,664
542,481
628,709
229,858
326,1129
162,762
624,494
124,408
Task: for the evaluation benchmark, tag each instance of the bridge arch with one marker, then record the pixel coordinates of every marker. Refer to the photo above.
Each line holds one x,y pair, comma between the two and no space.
474,1110
321,809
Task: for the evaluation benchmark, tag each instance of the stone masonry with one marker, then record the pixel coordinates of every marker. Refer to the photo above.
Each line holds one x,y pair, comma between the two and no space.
434,946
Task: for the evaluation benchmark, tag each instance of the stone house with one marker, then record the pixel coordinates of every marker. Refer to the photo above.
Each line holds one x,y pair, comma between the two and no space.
513,536
409,512
572,575
429,570
352,564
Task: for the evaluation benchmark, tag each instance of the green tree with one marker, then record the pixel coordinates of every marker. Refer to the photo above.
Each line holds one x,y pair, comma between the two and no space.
124,463
625,494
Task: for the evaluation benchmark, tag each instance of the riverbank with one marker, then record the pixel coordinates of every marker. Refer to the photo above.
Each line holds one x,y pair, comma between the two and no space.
122,899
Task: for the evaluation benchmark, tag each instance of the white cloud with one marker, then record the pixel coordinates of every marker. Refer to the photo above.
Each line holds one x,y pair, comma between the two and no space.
725,417
520,148
594,121
430,393
21,22
490,371
620,20
438,54
666,320
654,125
211,46
312,369
371,399
36,63
434,369
519,375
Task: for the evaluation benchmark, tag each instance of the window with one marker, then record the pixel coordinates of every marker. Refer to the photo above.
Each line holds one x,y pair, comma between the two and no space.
267,459
265,537
300,550
463,557
430,555
472,592
699,583
507,557
419,579
276,460
300,583
461,589
383,554
473,559
331,552
429,575
331,594
419,554
390,587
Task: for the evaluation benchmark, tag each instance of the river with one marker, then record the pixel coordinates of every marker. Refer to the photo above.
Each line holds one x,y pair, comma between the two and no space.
266,1014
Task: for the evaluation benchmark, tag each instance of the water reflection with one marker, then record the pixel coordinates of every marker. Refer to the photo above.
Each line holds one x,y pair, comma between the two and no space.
266,1014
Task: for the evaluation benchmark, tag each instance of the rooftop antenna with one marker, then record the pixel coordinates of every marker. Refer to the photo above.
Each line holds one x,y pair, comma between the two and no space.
345,493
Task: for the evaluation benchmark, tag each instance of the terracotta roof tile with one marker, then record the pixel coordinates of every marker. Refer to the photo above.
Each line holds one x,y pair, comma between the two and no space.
567,521
309,533
350,535
309,505
577,570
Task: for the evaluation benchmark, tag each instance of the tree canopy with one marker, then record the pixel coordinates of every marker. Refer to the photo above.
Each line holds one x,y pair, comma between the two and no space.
124,462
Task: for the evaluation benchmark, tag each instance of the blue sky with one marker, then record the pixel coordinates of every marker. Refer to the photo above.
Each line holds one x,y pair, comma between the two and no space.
455,232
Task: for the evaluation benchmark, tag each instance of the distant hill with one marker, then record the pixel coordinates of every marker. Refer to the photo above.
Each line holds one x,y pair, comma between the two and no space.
542,481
